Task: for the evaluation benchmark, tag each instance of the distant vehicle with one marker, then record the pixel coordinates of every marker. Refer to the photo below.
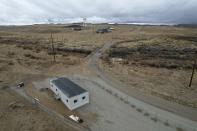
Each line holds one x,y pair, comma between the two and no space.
73,26
77,28
111,28
102,31
76,119
21,84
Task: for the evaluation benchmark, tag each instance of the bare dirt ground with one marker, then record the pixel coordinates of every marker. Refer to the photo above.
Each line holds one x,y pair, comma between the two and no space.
38,89
27,50
26,55
18,114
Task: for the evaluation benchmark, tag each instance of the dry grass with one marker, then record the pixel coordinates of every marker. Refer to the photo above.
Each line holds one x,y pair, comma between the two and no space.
17,114
156,59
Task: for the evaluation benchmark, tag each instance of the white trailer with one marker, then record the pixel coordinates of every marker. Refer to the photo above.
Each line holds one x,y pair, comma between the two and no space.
71,94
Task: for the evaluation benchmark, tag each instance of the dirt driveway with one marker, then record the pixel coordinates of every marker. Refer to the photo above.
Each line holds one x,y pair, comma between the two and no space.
114,110
107,112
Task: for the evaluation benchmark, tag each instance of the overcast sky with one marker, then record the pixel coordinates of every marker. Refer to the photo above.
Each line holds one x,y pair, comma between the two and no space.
39,11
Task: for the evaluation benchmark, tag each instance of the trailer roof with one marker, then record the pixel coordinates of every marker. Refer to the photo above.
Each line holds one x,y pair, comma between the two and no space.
68,87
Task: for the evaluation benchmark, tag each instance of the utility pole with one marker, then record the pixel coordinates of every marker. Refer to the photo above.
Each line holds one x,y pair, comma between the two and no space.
52,45
84,22
192,75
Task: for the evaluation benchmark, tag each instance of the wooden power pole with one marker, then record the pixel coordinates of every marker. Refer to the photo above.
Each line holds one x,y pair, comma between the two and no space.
53,49
192,75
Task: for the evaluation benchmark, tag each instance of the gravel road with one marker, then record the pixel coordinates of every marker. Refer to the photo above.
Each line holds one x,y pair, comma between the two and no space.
111,109
112,114
178,119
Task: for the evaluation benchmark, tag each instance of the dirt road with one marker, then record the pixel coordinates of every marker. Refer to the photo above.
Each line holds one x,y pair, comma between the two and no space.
112,108
107,112
114,105
167,111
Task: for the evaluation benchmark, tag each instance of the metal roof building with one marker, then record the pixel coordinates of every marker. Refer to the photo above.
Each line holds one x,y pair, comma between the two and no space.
71,94
68,87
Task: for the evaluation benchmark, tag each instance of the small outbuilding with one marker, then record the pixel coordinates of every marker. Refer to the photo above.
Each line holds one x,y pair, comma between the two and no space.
71,94
75,27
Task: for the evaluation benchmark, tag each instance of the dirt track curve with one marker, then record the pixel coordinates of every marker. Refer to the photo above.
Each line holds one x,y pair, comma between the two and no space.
183,115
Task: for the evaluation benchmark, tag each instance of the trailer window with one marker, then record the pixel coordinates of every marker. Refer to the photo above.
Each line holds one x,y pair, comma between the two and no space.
75,101
83,97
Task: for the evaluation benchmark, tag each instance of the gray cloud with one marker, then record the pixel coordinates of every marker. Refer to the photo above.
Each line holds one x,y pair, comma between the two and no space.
40,11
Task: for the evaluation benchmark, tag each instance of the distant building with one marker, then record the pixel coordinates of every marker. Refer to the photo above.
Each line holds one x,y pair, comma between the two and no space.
75,27
71,94
117,60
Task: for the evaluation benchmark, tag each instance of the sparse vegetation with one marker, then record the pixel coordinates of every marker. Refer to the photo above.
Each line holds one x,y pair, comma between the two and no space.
133,106
109,91
179,129
146,114
31,56
139,110
156,53
158,63
22,115
154,119
166,123
4,87
151,59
